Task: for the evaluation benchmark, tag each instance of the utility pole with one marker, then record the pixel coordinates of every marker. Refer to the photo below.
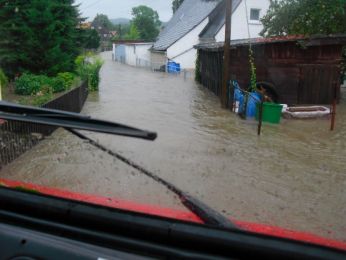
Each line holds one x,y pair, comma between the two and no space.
226,57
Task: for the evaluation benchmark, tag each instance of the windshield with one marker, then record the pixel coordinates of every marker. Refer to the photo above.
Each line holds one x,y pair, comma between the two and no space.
248,106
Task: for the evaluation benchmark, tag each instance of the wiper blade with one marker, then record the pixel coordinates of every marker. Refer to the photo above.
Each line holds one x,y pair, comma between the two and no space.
204,212
69,120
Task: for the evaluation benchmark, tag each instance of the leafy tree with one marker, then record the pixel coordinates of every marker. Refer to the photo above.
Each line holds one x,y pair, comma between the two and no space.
176,4
123,30
305,17
133,33
146,21
103,21
38,36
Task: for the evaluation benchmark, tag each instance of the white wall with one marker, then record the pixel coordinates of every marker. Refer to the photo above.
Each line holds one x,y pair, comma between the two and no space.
136,52
143,51
239,23
182,51
158,59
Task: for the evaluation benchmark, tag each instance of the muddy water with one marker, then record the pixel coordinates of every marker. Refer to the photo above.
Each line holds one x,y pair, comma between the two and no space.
293,176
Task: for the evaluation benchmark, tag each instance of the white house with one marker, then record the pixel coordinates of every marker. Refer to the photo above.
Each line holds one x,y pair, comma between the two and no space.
133,53
199,21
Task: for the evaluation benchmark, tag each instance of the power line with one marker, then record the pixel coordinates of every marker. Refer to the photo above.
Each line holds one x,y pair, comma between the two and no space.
92,4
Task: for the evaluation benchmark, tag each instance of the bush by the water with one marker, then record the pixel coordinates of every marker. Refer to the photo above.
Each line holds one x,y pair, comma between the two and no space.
88,68
68,79
29,84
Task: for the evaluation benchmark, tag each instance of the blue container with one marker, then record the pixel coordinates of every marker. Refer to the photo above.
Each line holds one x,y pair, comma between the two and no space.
173,67
252,99
177,66
238,99
170,66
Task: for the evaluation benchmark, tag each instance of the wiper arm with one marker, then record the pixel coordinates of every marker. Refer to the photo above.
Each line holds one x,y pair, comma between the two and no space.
205,213
69,120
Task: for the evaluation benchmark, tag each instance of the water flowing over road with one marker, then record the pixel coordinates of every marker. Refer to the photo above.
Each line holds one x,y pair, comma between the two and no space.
293,176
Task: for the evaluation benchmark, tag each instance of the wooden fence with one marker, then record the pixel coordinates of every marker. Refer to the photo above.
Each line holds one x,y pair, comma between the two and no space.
303,70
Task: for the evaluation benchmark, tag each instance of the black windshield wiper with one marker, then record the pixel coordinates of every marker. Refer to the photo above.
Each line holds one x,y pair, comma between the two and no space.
68,120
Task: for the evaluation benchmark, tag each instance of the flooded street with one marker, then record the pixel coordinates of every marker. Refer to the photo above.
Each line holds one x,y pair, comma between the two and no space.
293,176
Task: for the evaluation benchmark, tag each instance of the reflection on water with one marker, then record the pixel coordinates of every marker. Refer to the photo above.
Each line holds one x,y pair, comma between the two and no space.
292,176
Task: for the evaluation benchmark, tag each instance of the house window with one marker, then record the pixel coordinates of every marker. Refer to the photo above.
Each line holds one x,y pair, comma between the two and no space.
255,14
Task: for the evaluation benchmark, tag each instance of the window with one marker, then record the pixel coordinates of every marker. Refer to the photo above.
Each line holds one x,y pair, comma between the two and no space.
255,14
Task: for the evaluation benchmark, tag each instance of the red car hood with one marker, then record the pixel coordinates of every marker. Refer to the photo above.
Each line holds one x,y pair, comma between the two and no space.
174,214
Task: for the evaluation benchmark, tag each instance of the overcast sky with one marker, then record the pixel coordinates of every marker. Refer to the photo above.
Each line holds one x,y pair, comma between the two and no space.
122,8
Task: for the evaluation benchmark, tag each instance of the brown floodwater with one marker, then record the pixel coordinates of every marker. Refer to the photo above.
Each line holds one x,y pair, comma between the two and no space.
292,176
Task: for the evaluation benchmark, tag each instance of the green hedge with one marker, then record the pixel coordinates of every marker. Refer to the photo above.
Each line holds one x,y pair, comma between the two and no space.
29,84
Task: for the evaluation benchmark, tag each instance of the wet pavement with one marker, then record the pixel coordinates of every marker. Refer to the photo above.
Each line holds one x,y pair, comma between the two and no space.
292,176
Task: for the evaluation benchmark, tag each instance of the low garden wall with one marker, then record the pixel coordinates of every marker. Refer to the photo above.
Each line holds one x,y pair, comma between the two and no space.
17,137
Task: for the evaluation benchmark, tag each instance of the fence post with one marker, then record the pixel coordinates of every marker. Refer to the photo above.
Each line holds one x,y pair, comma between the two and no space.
335,96
260,116
227,52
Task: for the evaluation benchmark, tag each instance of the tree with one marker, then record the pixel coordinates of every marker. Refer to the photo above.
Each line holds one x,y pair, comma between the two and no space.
146,21
305,17
91,39
133,33
176,4
123,30
38,36
103,21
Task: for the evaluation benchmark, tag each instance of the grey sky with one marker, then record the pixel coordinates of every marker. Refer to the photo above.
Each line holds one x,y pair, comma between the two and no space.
122,8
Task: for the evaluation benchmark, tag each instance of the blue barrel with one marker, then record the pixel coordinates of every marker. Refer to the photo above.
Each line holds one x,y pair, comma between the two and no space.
238,99
177,66
170,66
252,99
173,67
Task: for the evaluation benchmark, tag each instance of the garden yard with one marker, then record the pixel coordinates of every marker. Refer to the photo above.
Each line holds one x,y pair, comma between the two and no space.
36,90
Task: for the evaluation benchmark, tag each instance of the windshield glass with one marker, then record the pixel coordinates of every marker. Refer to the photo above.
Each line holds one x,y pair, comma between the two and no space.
256,131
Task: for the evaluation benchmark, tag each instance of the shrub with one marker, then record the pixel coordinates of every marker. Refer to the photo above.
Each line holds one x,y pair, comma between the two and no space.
3,78
88,68
57,84
68,79
28,84
81,67
94,74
